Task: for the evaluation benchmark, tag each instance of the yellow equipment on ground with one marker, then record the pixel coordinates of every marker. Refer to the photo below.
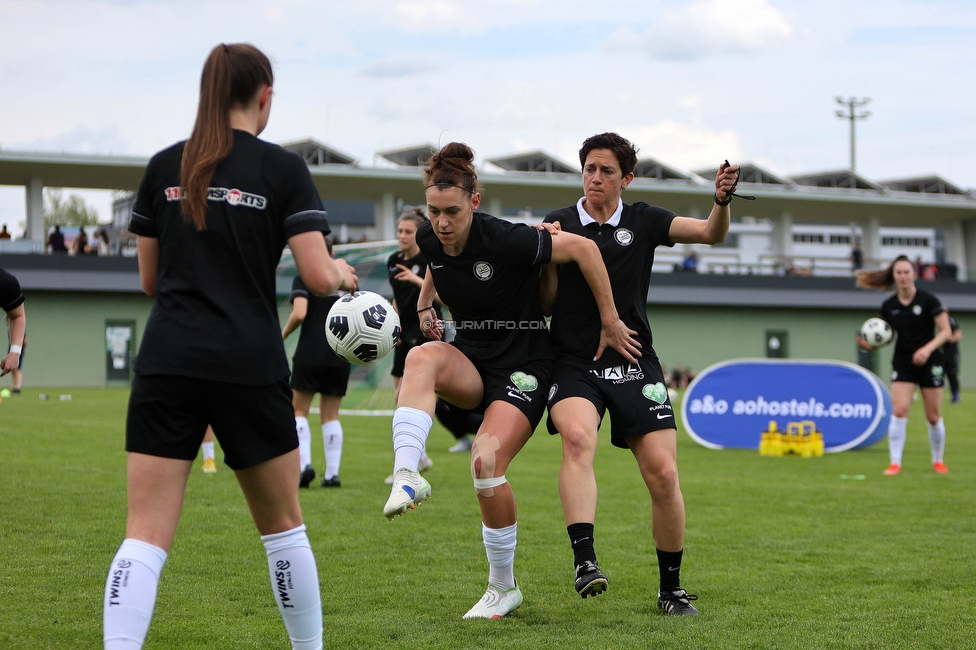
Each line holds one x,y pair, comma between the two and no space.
800,439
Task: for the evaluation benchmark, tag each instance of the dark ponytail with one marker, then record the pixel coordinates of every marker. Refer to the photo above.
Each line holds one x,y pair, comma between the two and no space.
232,75
452,166
882,278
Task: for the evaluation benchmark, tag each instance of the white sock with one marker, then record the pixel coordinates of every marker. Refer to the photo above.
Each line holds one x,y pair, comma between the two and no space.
937,438
410,429
130,594
295,583
208,450
896,438
500,548
304,443
332,437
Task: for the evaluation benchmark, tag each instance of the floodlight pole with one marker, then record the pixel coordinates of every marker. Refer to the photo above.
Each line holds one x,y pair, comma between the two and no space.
852,104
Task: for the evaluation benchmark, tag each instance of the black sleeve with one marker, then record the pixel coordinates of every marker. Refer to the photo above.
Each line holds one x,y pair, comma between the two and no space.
935,306
526,245
143,220
11,296
660,220
301,207
298,289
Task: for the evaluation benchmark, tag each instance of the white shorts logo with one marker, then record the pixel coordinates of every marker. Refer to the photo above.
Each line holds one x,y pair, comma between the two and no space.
482,271
623,236
552,392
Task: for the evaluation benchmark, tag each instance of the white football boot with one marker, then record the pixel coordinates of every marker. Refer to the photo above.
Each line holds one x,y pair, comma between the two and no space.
409,489
496,603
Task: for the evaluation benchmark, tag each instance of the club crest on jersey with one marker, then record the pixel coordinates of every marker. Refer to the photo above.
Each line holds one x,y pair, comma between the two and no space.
482,271
917,310
623,236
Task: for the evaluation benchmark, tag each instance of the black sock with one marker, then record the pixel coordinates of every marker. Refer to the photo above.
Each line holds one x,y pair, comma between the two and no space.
670,567
581,536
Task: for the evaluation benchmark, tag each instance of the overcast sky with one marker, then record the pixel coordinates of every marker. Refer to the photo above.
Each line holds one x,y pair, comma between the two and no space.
692,83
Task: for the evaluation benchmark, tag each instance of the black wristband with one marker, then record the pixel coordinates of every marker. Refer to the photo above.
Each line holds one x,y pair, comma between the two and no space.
420,311
723,203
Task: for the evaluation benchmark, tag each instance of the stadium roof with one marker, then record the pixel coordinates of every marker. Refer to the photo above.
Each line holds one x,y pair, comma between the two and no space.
315,153
843,178
925,185
409,156
533,161
651,168
749,173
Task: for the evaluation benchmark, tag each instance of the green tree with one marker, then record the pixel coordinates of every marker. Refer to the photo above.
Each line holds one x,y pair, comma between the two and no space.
67,212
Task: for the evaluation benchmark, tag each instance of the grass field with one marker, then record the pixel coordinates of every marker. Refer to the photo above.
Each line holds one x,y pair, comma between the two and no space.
784,553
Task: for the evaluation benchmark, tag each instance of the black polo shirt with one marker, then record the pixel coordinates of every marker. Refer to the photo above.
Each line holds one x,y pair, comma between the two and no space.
313,346
492,289
627,246
914,322
11,297
216,314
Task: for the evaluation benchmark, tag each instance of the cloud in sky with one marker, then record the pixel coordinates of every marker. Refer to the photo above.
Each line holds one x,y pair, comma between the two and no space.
708,28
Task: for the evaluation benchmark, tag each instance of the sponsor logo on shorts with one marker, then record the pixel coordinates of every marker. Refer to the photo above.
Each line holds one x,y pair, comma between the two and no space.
523,384
623,236
937,372
655,392
664,416
552,392
619,374
894,375
917,310
482,271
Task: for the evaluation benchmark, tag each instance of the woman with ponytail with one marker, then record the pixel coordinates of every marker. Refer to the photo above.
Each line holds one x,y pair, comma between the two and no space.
913,314
212,217
486,271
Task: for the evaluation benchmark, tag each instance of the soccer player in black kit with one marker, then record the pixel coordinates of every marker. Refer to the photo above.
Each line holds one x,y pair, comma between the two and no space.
12,304
951,352
914,314
212,216
486,271
316,368
632,390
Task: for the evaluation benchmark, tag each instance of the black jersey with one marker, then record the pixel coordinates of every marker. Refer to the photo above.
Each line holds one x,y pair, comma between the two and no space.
627,245
11,297
951,349
216,315
406,294
913,322
313,347
492,289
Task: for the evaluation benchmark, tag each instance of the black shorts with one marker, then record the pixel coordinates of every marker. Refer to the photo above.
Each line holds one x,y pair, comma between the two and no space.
634,393
931,375
524,386
400,354
168,416
325,380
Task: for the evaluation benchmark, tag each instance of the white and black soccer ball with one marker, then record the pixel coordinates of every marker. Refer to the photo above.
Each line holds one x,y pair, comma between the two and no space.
876,331
362,327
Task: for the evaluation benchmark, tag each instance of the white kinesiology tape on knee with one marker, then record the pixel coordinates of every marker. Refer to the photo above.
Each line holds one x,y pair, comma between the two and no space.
489,483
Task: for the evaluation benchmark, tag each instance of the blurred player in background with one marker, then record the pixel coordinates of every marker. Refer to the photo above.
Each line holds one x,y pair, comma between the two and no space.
486,271
633,391
212,216
914,314
316,368
12,303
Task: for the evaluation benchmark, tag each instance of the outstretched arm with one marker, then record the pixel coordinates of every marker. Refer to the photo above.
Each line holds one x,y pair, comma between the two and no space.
299,307
567,247
18,325
686,230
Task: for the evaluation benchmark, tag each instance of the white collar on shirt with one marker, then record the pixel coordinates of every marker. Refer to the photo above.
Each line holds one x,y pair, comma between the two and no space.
586,219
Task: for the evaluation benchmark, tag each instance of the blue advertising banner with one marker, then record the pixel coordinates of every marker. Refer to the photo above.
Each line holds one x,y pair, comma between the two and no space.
731,403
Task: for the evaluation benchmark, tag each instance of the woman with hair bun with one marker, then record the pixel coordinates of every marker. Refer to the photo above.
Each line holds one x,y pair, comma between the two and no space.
918,359
486,270
212,216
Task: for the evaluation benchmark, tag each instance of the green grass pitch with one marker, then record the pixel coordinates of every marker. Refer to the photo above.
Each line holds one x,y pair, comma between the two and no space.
783,552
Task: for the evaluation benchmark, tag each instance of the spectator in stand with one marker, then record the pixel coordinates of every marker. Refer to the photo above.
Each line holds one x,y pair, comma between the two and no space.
690,263
857,256
80,246
3,232
55,241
